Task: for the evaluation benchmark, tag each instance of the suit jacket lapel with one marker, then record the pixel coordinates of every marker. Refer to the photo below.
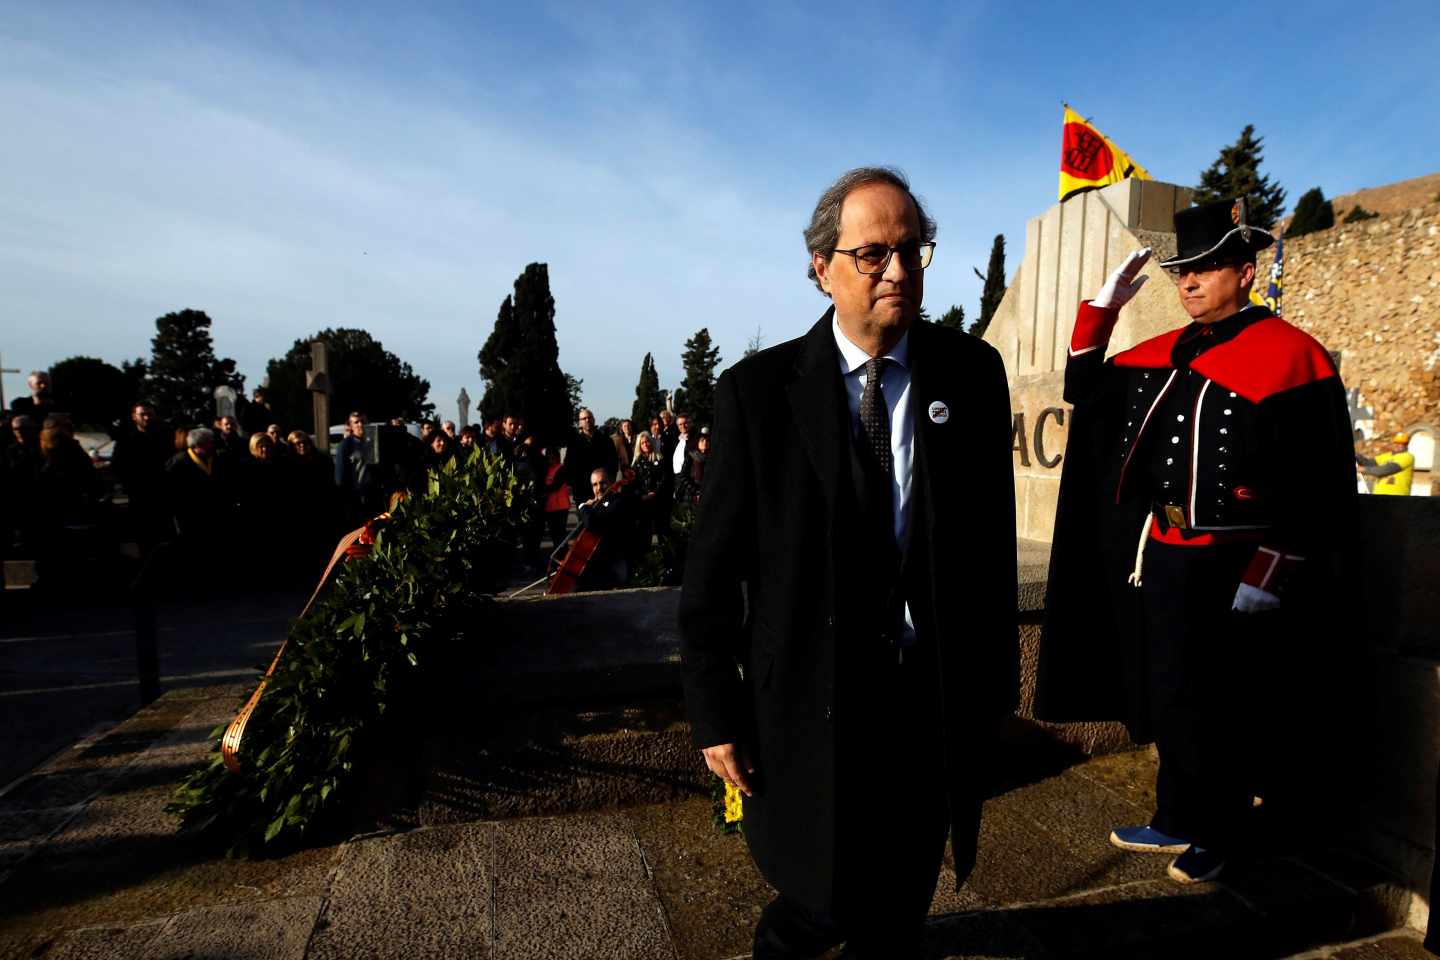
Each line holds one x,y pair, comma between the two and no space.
922,487
817,402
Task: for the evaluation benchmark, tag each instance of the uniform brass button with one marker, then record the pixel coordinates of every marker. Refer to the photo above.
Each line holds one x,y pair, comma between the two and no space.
1174,439
1180,417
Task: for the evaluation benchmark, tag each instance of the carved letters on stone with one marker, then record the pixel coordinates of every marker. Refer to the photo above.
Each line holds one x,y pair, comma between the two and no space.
1022,442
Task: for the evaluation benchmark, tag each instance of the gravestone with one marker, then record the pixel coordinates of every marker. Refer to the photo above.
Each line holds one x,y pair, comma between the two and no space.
225,401
1362,418
1422,445
463,402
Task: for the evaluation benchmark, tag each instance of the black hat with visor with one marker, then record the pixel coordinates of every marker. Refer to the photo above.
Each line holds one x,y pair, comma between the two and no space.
1215,232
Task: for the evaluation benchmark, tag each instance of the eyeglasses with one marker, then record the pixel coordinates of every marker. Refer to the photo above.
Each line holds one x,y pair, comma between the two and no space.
874,258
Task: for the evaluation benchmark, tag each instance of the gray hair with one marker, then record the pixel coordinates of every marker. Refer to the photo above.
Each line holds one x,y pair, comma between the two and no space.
824,231
199,436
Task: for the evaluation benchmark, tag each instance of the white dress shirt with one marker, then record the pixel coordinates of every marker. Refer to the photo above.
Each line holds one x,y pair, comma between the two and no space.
895,386
677,459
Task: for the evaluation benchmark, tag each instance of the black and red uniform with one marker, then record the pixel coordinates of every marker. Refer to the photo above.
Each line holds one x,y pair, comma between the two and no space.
1208,456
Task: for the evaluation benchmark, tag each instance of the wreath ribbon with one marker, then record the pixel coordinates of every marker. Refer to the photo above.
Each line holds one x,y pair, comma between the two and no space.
356,543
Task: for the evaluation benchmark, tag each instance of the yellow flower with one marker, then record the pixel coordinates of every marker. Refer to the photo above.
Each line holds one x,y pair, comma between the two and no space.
734,811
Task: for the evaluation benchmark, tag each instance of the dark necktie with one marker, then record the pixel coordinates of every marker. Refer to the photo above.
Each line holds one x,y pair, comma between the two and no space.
875,419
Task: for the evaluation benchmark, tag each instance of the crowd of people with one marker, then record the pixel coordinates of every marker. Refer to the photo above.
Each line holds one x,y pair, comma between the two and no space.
248,491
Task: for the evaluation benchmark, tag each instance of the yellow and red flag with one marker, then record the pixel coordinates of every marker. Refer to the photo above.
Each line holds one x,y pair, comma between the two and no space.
1088,160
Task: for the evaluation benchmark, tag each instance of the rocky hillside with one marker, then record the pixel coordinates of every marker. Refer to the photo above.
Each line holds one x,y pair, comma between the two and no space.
1391,198
1372,291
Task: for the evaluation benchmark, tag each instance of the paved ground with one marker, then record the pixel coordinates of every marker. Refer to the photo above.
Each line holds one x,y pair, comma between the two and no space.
69,669
90,867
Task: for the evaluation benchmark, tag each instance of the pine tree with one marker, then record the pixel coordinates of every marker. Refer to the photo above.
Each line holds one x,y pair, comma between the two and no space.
364,376
1236,173
994,290
520,361
700,359
184,371
1313,212
954,318
648,400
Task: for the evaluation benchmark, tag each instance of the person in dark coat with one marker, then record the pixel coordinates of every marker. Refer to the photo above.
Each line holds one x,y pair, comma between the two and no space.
1187,555
139,461
589,450
316,504
613,515
41,402
651,485
871,612
198,491
22,464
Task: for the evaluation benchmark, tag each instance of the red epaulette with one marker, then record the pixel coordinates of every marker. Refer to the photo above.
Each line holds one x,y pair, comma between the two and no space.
1150,354
1268,357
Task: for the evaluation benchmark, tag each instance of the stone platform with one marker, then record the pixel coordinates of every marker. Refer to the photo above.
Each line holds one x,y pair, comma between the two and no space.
92,868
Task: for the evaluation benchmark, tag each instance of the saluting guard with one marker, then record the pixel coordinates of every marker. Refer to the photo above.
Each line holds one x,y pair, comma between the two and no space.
1207,487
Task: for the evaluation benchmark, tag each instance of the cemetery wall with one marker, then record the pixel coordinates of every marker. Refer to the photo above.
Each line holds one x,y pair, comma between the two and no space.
1371,290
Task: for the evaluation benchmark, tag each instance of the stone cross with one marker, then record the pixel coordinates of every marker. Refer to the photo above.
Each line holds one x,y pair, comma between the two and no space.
317,381
4,370
225,401
463,402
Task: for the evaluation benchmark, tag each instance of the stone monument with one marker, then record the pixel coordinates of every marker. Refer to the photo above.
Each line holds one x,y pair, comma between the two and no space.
1069,251
463,402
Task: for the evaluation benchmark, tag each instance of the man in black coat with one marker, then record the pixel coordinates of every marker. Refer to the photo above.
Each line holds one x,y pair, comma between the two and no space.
139,461
868,605
589,450
1207,494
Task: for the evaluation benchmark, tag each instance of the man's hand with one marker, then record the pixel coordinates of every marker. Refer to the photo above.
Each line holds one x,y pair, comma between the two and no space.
1124,283
731,763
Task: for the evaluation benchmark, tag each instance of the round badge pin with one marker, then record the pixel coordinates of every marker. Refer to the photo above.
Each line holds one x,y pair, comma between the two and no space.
939,413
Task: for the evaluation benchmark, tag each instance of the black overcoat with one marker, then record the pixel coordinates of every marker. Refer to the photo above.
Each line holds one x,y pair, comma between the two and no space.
769,586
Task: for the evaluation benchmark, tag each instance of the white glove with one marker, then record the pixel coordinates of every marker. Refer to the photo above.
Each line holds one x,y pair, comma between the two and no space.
1124,283
1250,599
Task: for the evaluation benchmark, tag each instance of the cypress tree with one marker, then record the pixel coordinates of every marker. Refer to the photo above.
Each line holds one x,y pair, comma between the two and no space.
1236,173
954,318
520,361
700,359
994,290
648,400
1313,212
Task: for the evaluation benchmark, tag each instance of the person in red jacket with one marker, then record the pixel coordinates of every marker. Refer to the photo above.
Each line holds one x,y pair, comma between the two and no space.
556,503
1180,478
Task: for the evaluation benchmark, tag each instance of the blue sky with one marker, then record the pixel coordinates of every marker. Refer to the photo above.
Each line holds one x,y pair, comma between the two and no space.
291,167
